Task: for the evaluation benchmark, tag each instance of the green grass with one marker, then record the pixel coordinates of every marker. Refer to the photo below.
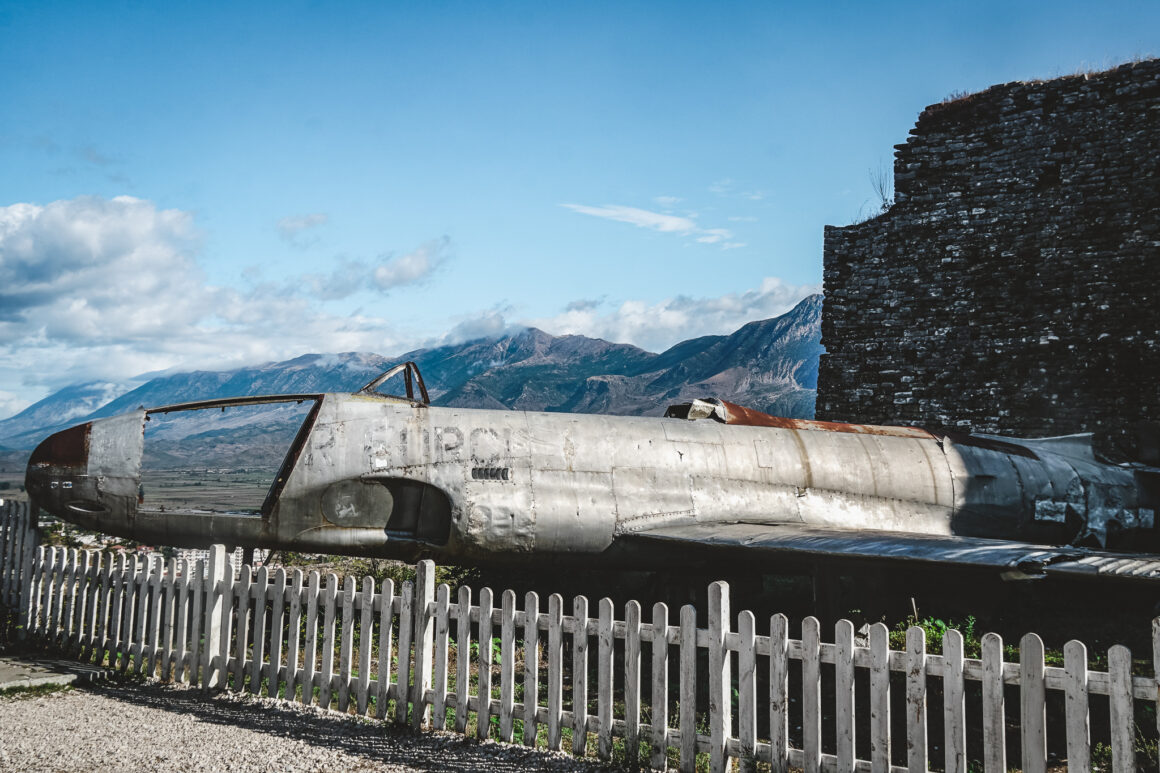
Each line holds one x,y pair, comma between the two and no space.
35,691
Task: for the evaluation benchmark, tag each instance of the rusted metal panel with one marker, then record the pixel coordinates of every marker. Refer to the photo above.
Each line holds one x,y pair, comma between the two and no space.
731,413
64,451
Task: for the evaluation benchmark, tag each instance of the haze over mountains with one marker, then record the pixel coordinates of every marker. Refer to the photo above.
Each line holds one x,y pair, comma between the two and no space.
770,365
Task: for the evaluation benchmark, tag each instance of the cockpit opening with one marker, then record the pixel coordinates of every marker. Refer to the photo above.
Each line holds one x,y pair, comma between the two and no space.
227,456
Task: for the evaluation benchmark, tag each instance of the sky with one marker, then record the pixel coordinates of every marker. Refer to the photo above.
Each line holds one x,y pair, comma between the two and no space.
210,185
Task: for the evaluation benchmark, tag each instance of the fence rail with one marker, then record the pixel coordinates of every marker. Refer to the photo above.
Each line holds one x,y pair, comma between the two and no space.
413,654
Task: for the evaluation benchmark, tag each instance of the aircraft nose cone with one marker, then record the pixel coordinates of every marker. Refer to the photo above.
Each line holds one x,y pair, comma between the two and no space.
57,469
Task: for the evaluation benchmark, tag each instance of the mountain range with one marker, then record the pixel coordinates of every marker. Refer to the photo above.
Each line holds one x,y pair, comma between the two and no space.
770,365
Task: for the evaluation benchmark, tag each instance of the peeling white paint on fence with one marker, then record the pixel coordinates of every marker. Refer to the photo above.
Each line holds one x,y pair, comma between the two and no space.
415,656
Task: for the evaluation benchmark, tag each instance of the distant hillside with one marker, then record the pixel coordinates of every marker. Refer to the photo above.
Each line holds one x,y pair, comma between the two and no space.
71,403
771,365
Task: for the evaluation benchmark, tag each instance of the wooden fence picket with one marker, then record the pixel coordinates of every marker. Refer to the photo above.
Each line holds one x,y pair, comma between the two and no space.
294,635
76,624
1156,668
346,646
779,693
507,665
197,590
277,625
386,618
48,593
720,680
462,659
1032,704
44,580
366,601
68,597
1123,722
258,591
954,704
442,647
424,638
31,609
844,695
29,546
406,621
632,626
181,621
483,715
116,603
916,759
252,594
659,704
747,689
242,628
811,695
92,604
328,600
144,567
7,538
531,667
1076,707
579,675
879,698
48,575
169,590
156,613
994,710
310,643
555,672
217,623
604,678
688,690
132,616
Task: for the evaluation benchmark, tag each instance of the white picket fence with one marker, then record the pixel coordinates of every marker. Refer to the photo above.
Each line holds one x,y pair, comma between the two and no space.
19,540
414,655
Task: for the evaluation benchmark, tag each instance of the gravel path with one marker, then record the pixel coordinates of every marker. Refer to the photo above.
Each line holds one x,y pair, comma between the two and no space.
131,727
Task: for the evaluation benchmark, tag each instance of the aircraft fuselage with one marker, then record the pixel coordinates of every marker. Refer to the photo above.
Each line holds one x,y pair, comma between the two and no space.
384,476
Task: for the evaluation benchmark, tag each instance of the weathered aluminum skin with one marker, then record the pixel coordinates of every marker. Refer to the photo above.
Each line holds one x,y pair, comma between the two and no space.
387,476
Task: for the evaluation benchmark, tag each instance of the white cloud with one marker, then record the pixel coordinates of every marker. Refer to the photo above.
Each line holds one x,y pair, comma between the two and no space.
95,288
668,201
292,228
345,280
714,235
651,326
11,403
722,186
657,326
413,267
491,323
91,154
351,276
641,218
584,304
656,221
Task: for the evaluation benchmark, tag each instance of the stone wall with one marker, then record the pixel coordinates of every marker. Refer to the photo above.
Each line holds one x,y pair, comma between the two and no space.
1012,286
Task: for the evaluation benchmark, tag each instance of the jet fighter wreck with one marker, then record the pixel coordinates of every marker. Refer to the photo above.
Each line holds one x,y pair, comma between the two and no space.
393,476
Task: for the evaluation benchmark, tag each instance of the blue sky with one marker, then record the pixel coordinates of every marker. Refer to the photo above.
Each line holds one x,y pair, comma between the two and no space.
209,185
